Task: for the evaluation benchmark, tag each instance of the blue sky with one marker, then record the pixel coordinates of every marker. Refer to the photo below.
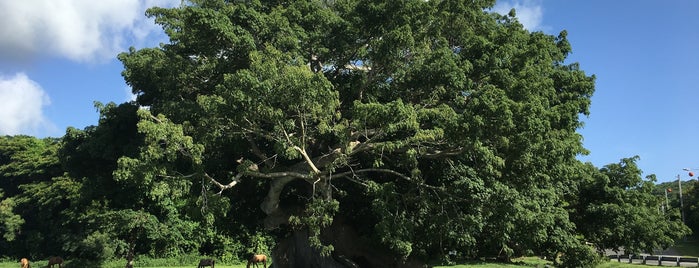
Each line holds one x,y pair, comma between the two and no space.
59,56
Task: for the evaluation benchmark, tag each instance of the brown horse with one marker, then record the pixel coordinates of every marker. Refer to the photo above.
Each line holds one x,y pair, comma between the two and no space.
25,263
257,258
55,260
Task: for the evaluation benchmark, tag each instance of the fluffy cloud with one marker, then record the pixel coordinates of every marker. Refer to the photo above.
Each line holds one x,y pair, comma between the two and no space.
129,94
80,30
529,12
21,103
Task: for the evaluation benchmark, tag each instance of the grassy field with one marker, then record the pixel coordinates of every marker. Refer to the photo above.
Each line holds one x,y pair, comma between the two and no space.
541,264
40,265
517,263
120,264
538,263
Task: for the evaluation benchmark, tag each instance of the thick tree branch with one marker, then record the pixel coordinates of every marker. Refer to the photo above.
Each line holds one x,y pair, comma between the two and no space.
271,202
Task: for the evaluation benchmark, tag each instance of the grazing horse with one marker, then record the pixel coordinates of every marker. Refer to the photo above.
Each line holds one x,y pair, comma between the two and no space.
55,260
206,262
257,258
24,263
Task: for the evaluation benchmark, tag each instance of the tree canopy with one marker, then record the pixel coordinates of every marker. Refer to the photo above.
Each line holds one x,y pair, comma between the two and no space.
430,109
384,131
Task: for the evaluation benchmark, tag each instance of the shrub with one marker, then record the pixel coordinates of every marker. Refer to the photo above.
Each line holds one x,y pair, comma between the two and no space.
580,256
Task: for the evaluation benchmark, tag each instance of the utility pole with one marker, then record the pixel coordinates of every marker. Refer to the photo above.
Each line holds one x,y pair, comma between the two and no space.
666,207
679,181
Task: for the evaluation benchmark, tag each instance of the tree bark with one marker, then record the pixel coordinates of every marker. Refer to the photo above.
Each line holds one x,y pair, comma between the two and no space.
350,251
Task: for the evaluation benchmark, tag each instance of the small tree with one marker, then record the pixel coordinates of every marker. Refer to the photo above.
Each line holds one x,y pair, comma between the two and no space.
615,208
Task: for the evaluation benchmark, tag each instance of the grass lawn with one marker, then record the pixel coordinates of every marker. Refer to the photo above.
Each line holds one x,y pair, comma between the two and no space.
43,264
501,265
112,264
520,264
539,263
517,263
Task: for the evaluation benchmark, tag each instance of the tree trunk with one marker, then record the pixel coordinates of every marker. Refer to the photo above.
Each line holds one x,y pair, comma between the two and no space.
294,251
351,251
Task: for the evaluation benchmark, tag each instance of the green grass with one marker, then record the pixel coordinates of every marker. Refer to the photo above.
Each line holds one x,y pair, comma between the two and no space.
502,265
538,263
519,263
614,264
40,264
146,263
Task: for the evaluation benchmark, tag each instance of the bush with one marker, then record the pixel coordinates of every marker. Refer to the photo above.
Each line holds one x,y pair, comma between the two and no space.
97,247
580,256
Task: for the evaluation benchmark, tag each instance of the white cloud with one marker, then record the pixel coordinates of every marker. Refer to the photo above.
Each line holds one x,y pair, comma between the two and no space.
129,94
530,13
21,103
80,30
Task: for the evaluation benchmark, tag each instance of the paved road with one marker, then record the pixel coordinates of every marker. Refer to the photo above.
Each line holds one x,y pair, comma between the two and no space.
668,253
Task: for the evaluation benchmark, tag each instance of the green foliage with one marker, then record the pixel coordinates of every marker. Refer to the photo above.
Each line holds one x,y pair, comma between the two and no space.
318,215
581,256
436,115
691,202
25,159
10,223
96,246
444,126
615,208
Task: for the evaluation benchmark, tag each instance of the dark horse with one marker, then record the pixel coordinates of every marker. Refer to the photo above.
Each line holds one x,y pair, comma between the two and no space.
206,262
55,260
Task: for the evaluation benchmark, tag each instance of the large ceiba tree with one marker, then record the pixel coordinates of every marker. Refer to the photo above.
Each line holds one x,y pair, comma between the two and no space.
377,132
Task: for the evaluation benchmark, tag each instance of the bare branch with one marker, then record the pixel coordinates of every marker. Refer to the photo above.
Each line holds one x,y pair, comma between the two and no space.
383,170
236,179
303,153
303,128
437,153
155,118
223,187
367,170
308,160
274,175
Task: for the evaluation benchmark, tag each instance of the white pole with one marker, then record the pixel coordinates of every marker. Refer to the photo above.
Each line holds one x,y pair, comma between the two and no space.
667,202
